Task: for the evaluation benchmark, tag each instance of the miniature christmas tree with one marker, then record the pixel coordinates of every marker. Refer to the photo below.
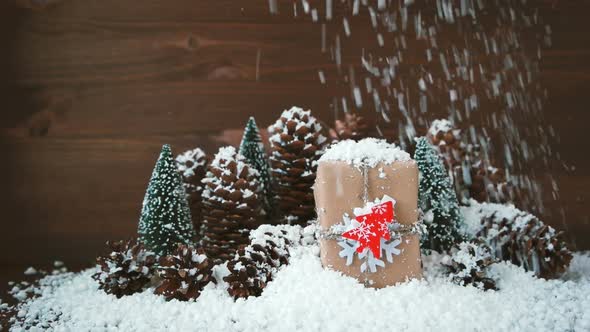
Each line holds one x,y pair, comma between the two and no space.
252,149
165,217
438,200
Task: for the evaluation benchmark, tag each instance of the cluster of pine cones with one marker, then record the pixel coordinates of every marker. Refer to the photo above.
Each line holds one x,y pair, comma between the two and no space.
473,171
183,274
228,197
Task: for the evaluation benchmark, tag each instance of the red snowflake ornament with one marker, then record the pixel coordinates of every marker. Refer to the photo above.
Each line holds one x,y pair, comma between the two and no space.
373,226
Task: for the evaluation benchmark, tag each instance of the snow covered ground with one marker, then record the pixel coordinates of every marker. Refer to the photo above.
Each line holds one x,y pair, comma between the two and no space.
306,297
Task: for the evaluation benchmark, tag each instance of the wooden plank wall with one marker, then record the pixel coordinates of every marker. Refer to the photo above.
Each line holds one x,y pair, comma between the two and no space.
92,88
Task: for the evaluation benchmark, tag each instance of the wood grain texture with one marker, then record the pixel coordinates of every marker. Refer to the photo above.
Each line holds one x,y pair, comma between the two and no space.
91,89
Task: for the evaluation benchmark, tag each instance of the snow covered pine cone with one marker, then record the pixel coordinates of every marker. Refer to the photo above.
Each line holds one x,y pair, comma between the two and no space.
232,203
353,126
521,238
297,141
184,273
468,265
254,265
126,270
192,164
468,169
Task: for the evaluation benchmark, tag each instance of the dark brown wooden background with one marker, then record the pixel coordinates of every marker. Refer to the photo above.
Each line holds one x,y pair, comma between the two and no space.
92,88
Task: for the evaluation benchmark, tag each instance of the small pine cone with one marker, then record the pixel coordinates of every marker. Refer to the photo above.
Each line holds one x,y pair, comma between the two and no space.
126,270
184,273
253,267
232,200
353,127
468,265
297,141
447,138
192,164
521,238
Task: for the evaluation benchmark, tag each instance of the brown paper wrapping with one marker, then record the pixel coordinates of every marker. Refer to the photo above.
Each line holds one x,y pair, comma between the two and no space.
340,188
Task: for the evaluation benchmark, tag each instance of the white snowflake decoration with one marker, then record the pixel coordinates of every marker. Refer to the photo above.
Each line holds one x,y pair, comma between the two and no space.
349,247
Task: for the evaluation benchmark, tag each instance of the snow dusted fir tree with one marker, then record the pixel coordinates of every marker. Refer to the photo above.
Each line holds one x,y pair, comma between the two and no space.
165,218
252,149
438,200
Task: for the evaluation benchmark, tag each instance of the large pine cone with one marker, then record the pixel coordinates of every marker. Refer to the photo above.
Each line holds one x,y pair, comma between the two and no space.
468,265
232,204
192,164
519,237
353,126
184,273
255,265
468,169
297,141
126,270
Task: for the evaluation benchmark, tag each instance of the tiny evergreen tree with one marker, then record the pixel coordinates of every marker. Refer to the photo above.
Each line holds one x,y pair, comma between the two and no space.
165,218
437,200
252,149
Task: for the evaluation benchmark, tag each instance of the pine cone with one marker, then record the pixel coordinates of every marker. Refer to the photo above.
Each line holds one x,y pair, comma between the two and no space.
192,164
353,126
126,270
232,202
184,273
297,141
521,238
468,168
254,266
468,265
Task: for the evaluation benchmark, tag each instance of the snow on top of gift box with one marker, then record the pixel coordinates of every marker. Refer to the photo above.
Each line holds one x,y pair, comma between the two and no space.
366,152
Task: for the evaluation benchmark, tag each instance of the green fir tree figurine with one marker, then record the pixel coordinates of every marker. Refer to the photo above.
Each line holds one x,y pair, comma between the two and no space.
252,149
165,218
438,200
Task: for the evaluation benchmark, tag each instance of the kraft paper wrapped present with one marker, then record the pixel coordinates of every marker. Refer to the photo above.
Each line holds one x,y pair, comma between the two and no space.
351,175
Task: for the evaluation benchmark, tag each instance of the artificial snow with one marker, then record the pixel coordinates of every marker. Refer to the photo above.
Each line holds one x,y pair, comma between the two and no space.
366,152
306,297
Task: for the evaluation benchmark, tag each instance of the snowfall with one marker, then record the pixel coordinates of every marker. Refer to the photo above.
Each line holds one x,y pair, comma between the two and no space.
304,296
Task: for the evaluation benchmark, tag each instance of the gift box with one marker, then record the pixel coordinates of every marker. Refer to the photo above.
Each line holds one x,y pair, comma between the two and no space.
348,188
